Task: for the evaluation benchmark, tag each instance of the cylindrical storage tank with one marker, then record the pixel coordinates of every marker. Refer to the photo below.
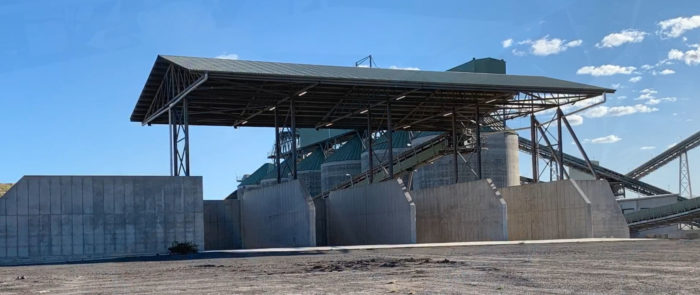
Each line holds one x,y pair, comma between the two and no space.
512,161
343,164
401,141
253,180
493,158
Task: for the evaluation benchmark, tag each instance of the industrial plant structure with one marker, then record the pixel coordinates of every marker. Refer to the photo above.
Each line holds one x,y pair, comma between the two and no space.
360,156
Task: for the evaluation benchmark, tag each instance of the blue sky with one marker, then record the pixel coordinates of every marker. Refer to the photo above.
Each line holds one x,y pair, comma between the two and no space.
71,71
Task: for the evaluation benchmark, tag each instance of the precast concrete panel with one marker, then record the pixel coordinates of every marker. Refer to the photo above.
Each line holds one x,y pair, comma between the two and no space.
71,218
279,215
222,224
548,210
606,216
378,213
467,211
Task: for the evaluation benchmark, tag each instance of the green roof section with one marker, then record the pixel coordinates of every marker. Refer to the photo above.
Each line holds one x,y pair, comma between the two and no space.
272,174
258,175
399,139
420,134
350,151
482,65
312,162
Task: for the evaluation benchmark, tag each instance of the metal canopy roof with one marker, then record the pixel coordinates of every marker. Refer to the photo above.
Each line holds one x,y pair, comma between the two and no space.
224,92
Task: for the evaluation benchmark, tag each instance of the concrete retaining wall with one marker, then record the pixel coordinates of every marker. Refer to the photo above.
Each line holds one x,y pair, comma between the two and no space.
378,213
222,225
469,211
72,218
551,210
279,215
606,215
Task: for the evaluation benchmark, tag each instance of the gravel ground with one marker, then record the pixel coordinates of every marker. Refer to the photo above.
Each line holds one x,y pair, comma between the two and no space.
654,266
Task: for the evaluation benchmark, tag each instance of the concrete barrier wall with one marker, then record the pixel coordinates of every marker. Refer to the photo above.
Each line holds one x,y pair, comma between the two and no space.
378,213
222,225
549,210
72,218
279,215
468,211
607,218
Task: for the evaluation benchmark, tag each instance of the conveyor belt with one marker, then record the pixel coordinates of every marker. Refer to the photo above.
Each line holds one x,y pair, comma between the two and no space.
667,156
687,211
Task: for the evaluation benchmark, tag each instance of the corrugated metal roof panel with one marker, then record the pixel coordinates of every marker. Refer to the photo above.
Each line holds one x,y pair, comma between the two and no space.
464,80
351,150
399,139
312,162
258,175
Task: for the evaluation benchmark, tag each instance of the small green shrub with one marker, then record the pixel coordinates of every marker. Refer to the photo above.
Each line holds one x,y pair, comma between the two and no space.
178,248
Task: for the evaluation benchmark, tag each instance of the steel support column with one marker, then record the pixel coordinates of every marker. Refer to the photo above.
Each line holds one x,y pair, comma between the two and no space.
560,145
390,139
179,139
370,151
454,144
277,149
478,140
293,113
684,187
535,149
578,144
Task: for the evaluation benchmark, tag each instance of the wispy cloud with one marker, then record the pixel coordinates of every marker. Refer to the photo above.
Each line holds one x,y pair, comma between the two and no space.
690,57
676,27
404,68
507,43
606,139
647,147
228,56
618,111
667,72
605,70
636,79
617,39
542,47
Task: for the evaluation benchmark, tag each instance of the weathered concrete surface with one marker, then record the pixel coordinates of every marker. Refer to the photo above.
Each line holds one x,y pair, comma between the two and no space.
280,215
222,225
378,213
606,216
70,218
548,210
468,211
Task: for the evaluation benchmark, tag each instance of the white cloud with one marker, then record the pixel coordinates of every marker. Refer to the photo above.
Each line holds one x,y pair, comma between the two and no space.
617,39
618,111
636,79
647,147
574,120
671,145
647,67
546,46
647,93
675,27
622,97
406,68
667,72
228,56
605,70
653,101
518,52
606,139
690,57
507,43
616,85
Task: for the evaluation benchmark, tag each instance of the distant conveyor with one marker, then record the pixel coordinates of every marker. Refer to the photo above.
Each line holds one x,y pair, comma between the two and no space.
607,174
667,156
687,211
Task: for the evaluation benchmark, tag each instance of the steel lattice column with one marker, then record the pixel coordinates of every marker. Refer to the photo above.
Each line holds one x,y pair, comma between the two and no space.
684,187
179,140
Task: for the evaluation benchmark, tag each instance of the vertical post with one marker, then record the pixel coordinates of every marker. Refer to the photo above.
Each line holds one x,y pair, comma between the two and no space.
454,144
578,144
277,149
535,149
185,121
171,132
560,145
478,139
294,138
370,152
390,139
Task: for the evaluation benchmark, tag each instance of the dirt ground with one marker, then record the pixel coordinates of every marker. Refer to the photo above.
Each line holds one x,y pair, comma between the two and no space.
655,267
